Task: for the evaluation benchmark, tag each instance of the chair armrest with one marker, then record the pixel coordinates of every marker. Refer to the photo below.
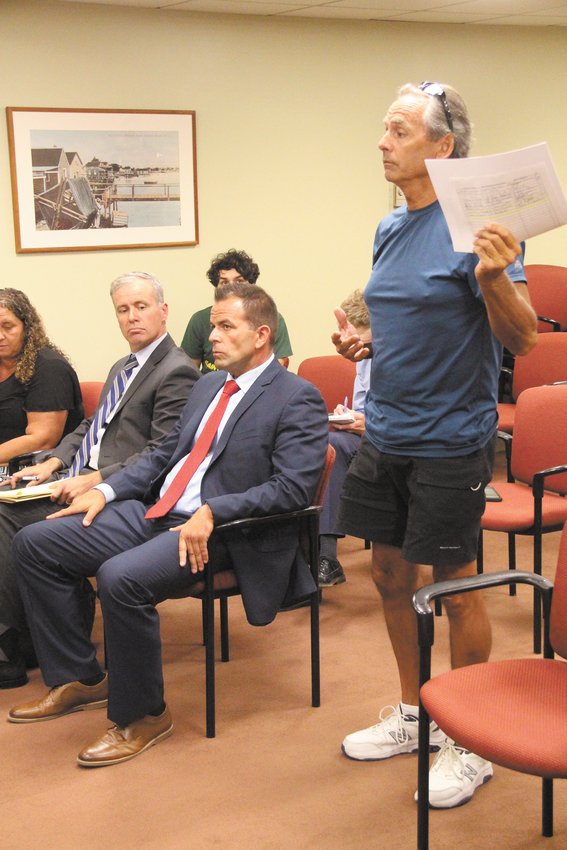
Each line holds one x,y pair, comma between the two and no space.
20,461
247,522
422,598
539,477
556,325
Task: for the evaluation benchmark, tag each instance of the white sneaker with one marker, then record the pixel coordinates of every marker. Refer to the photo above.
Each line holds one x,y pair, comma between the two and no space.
455,775
396,733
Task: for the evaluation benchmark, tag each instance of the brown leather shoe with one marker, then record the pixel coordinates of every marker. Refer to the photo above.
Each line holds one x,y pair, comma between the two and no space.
118,745
60,701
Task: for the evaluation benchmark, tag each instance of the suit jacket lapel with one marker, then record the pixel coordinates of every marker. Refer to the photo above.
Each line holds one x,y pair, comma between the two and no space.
255,391
155,357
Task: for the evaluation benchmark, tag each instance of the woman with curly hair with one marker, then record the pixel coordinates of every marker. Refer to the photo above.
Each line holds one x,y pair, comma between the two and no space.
40,396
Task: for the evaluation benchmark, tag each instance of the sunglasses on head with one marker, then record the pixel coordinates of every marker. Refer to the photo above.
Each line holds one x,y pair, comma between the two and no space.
437,90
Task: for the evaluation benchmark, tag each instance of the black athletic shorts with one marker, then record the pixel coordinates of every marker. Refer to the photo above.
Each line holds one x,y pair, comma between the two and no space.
430,508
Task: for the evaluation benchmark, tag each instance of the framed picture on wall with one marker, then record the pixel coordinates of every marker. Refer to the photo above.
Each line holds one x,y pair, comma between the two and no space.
93,179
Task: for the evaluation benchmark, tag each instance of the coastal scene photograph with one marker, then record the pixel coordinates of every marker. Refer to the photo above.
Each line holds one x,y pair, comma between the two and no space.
105,179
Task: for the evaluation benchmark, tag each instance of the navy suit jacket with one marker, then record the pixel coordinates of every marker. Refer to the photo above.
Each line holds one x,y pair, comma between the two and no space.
268,460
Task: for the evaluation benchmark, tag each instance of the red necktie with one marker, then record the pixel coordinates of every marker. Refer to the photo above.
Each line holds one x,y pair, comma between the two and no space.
195,457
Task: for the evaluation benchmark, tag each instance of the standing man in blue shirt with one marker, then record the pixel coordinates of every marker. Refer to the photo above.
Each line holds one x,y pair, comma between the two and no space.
416,487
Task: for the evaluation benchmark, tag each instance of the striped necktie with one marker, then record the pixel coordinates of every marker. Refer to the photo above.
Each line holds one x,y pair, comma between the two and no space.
102,413
195,457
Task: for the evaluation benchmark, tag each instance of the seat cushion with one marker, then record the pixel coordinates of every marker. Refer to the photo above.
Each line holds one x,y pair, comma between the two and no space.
509,712
516,510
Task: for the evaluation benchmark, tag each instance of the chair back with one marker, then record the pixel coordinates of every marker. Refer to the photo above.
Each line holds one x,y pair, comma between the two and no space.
546,363
325,476
558,620
333,375
547,286
91,390
540,435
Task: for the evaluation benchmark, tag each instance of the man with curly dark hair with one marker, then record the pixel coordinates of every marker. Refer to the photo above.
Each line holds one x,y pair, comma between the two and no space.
230,267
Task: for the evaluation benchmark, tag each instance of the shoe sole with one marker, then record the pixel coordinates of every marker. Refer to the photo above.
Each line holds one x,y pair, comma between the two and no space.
110,762
486,778
88,707
340,580
433,748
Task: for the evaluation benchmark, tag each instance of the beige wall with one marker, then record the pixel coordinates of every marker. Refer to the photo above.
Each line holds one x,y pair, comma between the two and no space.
288,115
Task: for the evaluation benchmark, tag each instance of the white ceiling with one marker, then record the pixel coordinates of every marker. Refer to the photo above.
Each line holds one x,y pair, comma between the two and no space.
496,12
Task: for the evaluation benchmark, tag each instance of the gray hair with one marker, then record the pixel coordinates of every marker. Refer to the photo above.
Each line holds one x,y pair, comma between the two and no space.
133,277
436,122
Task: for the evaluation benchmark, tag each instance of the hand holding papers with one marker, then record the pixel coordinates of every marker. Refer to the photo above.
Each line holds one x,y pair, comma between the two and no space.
345,418
518,189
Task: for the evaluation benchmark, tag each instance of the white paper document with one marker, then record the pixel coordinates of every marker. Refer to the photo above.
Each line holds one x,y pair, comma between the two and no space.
518,189
25,494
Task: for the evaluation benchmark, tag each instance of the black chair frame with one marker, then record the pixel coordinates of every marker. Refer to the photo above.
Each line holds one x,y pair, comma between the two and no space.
425,634
536,530
309,530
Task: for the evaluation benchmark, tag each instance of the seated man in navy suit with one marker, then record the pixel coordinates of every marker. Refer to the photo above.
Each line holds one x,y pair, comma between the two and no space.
266,457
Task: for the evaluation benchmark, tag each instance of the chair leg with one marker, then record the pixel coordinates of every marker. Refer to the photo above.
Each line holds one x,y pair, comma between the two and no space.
537,599
367,544
423,781
209,626
512,560
547,808
204,620
480,554
315,653
225,649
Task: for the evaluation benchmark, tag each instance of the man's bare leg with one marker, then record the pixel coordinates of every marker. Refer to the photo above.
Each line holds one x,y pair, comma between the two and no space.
470,631
397,580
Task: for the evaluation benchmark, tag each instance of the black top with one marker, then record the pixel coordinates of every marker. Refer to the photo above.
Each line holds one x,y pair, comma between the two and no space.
53,386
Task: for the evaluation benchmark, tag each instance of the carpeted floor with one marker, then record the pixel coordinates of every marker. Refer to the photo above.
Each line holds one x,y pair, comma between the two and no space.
274,777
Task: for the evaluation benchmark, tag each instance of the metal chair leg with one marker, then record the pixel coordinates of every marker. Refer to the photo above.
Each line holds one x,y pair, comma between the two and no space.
512,560
225,649
423,781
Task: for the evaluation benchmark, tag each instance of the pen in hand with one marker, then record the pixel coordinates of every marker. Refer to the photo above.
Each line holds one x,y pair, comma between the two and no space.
345,404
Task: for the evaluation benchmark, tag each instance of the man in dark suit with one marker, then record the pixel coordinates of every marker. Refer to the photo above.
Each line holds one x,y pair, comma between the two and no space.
267,457
154,393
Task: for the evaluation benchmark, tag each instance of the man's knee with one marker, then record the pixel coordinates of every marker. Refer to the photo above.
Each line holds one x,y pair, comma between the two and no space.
22,544
463,604
392,575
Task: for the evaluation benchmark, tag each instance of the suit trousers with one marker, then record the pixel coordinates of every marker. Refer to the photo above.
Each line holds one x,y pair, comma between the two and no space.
346,446
136,564
12,518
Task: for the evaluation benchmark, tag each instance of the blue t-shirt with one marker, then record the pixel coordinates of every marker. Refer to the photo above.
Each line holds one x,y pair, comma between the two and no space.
434,380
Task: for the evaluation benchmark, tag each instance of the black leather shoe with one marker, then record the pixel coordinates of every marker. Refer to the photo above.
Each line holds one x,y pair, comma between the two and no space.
13,673
330,572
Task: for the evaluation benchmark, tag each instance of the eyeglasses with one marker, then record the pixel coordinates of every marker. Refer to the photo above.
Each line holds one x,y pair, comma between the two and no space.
437,90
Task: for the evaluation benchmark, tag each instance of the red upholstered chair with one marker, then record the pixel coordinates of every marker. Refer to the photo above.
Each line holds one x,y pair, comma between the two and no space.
533,500
91,390
545,364
332,374
223,584
547,286
510,712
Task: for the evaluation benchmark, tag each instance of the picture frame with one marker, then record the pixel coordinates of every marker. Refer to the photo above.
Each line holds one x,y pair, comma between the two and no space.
96,179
